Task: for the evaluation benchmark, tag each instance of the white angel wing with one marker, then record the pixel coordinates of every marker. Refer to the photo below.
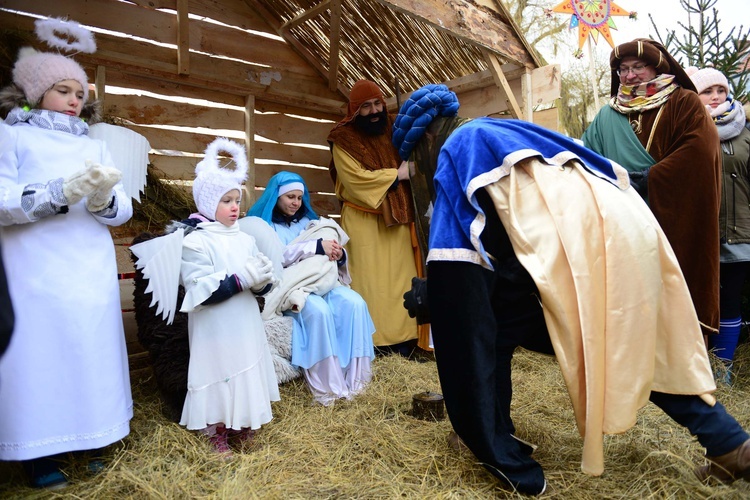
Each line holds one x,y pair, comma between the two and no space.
129,151
160,260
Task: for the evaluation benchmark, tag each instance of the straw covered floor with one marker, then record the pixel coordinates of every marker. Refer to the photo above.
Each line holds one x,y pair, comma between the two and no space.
373,448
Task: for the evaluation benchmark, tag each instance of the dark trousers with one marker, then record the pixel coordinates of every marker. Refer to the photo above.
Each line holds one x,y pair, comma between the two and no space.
732,276
478,320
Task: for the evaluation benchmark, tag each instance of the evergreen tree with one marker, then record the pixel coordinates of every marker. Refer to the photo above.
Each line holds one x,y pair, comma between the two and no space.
702,44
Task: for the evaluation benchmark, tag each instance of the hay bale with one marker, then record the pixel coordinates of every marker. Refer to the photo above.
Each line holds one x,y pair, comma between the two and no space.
164,200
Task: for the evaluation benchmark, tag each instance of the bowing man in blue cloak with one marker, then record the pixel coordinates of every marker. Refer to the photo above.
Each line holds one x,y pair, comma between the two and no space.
536,241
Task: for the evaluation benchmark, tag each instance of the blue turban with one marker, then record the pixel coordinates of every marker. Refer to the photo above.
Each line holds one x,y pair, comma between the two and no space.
263,208
417,113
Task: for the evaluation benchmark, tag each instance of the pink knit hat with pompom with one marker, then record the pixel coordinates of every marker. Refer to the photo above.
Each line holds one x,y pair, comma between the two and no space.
707,77
36,72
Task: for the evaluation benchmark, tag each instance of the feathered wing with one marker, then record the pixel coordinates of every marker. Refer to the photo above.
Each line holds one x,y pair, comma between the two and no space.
160,259
129,151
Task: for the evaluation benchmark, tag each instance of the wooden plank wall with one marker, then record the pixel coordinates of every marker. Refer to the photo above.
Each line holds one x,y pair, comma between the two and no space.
181,114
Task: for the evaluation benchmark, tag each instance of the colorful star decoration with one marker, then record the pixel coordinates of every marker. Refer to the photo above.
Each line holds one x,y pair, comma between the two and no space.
592,17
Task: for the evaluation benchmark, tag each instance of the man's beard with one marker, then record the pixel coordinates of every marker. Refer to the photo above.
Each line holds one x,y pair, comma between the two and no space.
363,123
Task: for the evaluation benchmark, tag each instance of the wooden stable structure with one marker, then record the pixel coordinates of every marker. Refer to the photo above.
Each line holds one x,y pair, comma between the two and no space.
276,73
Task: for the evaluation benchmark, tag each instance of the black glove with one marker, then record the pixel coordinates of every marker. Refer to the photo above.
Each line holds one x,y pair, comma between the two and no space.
415,301
639,181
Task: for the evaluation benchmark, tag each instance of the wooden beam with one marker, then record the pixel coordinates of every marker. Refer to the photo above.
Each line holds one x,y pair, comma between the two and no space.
475,81
250,145
147,110
503,85
308,14
293,42
333,56
528,96
463,19
100,83
500,7
156,4
183,38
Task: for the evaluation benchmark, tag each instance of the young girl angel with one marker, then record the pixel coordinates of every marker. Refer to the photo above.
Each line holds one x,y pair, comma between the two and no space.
332,336
64,381
231,378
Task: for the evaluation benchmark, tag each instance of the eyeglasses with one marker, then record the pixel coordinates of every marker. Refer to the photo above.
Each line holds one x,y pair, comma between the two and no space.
637,70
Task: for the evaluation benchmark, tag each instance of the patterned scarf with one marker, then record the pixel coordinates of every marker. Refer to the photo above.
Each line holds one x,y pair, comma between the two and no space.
644,96
48,120
729,118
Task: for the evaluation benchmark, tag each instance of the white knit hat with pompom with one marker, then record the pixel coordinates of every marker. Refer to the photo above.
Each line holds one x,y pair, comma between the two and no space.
212,181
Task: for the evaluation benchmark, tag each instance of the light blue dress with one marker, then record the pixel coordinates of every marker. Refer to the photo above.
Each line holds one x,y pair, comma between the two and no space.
336,325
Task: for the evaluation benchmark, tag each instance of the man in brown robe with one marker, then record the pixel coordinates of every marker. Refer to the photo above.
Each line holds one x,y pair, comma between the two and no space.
656,127
372,184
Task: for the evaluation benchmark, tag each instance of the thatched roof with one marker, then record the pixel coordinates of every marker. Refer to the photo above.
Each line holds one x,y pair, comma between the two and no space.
414,42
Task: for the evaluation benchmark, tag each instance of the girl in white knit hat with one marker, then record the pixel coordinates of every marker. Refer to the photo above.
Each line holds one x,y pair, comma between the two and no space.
64,381
231,377
734,215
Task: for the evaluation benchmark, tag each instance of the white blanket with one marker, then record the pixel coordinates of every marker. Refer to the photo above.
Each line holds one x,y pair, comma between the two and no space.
316,274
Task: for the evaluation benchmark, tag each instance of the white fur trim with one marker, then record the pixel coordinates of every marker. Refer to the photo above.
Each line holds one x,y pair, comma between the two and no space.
211,161
213,181
80,39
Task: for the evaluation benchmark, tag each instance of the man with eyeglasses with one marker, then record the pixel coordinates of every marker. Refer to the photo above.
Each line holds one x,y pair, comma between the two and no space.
656,127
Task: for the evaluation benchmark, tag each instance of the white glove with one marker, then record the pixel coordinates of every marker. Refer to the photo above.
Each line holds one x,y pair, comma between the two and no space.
102,197
89,180
257,273
82,183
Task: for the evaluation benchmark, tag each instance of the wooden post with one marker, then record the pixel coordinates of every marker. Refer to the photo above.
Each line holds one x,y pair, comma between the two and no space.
502,84
100,82
183,38
592,73
528,96
428,406
250,145
333,61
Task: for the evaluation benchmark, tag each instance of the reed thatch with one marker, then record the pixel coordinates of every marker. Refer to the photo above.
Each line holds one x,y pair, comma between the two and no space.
373,448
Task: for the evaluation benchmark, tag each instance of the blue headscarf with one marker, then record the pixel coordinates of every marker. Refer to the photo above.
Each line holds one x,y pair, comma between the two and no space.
263,208
417,113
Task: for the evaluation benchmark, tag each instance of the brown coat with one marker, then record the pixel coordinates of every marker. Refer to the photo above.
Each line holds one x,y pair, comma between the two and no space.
684,187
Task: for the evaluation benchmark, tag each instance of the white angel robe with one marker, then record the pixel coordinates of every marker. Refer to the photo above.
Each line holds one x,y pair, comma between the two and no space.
64,381
231,378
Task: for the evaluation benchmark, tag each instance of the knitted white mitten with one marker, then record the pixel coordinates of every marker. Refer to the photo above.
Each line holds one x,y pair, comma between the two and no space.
102,197
82,183
257,272
99,200
91,179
